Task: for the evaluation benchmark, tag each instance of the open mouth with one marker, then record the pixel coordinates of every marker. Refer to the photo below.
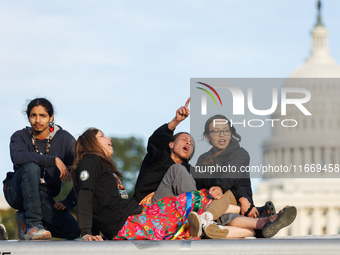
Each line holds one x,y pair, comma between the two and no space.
186,149
222,141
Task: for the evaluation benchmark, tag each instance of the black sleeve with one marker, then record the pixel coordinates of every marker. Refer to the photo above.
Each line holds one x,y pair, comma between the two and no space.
87,172
240,159
159,141
85,211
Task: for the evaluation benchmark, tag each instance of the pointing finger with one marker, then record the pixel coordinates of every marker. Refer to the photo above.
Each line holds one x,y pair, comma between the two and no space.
187,102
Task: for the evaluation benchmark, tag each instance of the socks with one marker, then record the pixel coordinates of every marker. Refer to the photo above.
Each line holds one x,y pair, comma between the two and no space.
261,222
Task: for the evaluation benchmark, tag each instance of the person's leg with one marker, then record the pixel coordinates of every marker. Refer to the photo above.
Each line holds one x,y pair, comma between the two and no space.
61,224
236,232
233,209
176,181
212,212
269,225
220,206
22,193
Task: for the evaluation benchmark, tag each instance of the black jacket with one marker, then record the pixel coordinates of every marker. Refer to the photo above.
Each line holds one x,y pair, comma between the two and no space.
156,162
236,157
100,205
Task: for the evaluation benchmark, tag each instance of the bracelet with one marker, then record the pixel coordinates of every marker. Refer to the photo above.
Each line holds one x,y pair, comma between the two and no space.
250,208
84,237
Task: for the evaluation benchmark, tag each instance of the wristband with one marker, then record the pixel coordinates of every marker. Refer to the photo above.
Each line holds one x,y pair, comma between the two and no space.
250,208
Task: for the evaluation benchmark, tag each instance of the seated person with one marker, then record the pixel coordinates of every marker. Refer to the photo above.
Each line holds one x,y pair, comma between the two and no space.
103,204
40,154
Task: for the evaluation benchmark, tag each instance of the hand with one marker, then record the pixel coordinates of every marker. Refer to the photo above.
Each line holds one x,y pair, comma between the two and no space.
59,206
181,114
216,192
254,213
245,204
89,237
64,173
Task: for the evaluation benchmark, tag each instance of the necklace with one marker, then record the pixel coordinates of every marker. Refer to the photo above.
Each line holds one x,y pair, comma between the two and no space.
48,145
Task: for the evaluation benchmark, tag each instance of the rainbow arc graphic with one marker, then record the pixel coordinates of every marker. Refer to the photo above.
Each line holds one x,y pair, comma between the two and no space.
209,93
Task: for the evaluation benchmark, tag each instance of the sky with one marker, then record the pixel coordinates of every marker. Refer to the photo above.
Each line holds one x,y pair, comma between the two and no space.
125,66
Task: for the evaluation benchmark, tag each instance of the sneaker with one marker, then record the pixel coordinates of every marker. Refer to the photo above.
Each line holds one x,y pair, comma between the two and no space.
285,217
21,224
213,231
3,232
198,223
37,233
195,223
34,233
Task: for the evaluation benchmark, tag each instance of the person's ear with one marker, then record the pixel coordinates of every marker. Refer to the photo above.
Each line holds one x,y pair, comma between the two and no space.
171,145
52,118
206,137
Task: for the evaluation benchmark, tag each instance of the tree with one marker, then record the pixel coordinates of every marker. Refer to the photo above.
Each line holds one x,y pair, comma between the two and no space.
128,154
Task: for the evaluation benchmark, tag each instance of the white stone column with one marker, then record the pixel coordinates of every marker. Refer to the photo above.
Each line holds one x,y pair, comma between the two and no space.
266,157
331,224
317,155
272,157
287,158
316,227
301,226
297,157
337,156
278,156
327,156
307,154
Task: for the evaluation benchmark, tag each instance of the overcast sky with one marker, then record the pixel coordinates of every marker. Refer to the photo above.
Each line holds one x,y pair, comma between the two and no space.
125,66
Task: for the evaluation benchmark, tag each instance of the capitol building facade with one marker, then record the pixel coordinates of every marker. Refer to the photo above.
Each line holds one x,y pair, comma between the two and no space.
314,141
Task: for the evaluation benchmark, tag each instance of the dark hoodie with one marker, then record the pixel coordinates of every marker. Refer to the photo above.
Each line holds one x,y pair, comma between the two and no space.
233,155
61,145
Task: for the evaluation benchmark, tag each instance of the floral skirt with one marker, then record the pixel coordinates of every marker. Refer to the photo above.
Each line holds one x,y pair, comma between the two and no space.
165,219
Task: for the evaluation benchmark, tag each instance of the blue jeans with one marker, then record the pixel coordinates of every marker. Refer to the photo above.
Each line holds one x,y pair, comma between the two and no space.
23,193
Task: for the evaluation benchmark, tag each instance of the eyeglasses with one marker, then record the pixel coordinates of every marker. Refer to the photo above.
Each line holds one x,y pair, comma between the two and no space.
219,132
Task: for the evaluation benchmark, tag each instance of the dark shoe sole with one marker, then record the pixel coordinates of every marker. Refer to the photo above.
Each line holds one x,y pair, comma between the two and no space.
212,231
284,219
195,229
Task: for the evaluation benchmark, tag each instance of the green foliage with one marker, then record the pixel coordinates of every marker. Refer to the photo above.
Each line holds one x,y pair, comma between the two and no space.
8,219
128,154
65,189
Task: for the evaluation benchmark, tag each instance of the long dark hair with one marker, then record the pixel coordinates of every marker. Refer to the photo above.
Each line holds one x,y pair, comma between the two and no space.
234,136
87,144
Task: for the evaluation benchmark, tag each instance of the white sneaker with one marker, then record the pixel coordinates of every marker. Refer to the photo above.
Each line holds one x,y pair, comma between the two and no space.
200,224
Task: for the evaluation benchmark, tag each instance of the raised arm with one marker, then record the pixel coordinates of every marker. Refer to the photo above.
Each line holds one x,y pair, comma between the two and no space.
181,114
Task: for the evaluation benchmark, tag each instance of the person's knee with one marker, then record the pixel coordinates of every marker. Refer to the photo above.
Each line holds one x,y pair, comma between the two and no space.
30,169
177,170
